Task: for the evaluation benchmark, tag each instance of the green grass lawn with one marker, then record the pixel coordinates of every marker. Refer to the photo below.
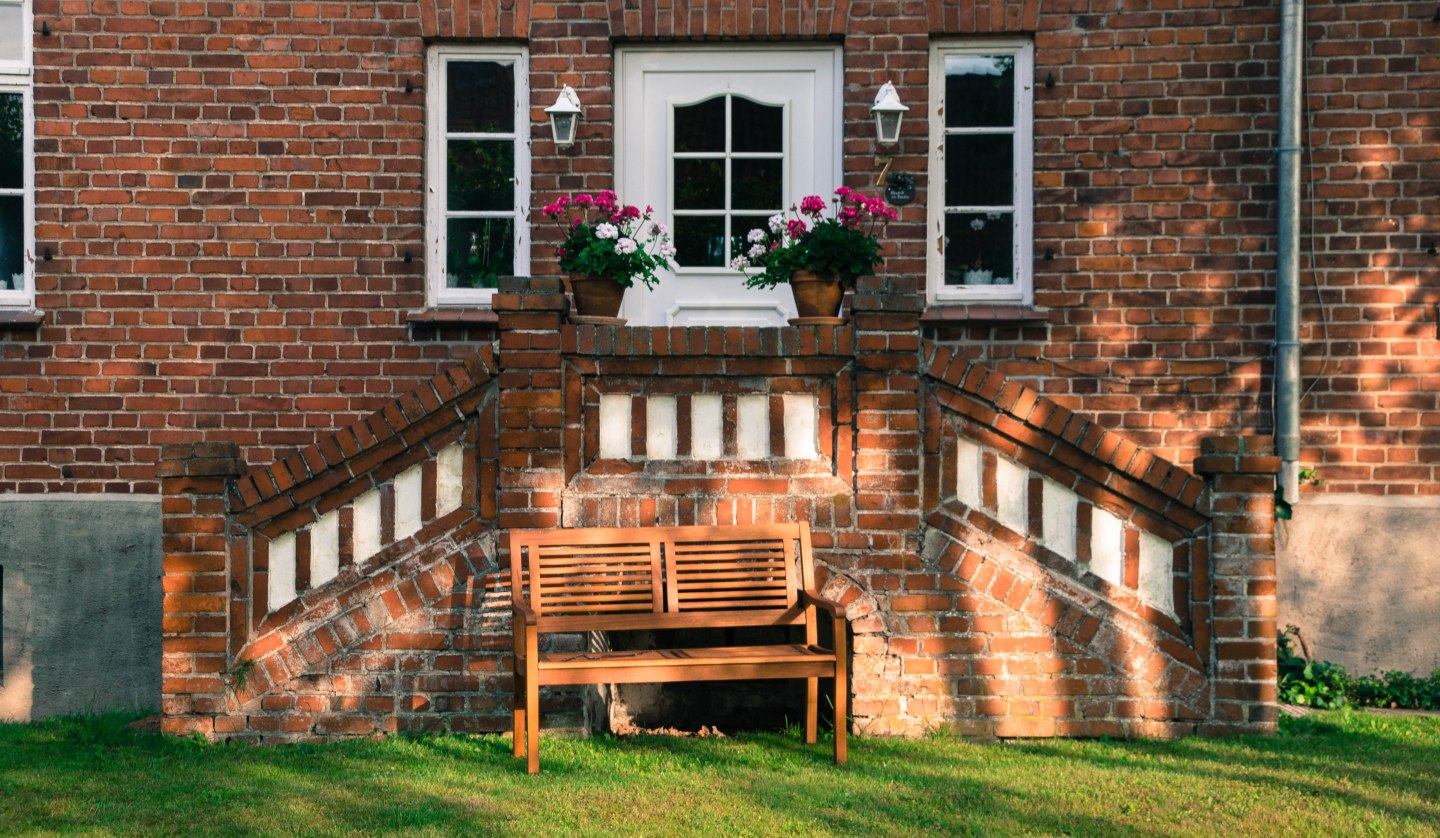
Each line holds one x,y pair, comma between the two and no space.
1340,773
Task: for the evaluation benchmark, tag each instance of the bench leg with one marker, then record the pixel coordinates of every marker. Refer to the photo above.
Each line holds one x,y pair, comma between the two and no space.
812,709
532,726
517,729
842,690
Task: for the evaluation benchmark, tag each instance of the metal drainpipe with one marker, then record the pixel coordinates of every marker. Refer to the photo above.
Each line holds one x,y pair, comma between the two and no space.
1287,277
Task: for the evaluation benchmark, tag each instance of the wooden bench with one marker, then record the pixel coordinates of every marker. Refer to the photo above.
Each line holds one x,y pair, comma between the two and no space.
582,580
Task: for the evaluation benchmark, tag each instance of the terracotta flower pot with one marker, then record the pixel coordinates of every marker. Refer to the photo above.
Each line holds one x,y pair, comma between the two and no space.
596,296
816,294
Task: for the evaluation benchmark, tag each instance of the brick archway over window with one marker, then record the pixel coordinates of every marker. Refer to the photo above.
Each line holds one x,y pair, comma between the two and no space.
978,17
475,18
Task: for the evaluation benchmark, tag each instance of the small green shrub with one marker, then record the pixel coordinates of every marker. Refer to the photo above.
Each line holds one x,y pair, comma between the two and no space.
1306,682
1327,685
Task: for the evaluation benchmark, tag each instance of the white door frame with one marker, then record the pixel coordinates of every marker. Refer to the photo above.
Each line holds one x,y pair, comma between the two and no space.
732,303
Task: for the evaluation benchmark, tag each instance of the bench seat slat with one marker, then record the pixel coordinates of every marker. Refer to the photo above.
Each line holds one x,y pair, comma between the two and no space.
695,664
692,656
646,621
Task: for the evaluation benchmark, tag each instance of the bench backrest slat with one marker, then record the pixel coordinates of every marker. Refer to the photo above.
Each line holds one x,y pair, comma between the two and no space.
662,577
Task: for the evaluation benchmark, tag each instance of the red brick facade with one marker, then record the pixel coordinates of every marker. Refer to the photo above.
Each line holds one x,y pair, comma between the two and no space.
230,247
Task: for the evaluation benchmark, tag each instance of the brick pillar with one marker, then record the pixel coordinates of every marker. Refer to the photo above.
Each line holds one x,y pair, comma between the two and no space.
195,635
530,311
1241,473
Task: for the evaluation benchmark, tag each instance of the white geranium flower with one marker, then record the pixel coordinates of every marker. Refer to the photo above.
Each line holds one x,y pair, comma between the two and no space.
777,222
624,247
756,251
606,231
667,250
660,229
755,236
739,263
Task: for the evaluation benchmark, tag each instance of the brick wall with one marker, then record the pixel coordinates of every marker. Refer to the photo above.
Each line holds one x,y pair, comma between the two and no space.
973,609
229,216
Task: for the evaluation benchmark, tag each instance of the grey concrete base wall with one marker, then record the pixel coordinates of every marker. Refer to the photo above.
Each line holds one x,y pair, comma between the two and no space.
80,624
1360,576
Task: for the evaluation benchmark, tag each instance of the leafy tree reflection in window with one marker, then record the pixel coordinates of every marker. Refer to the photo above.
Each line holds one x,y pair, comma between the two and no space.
480,173
12,191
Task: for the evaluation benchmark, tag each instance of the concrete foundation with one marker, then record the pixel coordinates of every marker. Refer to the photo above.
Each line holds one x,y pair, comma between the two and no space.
1360,576
80,614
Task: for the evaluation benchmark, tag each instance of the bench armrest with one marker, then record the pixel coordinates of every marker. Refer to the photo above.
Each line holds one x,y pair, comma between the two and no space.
833,608
525,613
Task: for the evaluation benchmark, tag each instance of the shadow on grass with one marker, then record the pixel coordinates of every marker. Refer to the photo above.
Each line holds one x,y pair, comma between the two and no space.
89,774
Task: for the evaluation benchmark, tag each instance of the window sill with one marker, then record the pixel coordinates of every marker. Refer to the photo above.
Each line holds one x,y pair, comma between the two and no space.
452,324
962,314
21,317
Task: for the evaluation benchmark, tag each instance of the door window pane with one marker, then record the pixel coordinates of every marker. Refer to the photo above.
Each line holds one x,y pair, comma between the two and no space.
757,184
700,241
700,127
480,175
980,91
478,251
480,97
757,127
700,184
729,158
12,141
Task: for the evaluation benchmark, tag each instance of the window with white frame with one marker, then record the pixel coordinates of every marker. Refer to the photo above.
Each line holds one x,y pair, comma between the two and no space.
981,168
17,159
478,173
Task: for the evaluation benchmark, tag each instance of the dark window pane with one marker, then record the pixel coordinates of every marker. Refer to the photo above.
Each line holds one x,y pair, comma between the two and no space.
699,184
701,127
979,91
480,175
12,242
740,227
979,248
756,184
478,251
756,127
978,170
700,241
12,141
480,97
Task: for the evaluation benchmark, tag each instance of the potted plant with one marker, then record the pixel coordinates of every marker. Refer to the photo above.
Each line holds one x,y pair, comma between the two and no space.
820,256
608,247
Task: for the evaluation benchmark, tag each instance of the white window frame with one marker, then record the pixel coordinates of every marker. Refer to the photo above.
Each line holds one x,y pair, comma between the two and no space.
435,210
1022,291
18,77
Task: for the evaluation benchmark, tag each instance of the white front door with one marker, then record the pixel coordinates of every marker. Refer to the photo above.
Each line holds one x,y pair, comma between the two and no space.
718,140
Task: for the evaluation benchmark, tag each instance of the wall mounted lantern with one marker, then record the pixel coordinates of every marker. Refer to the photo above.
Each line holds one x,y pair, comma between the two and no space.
888,112
564,116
